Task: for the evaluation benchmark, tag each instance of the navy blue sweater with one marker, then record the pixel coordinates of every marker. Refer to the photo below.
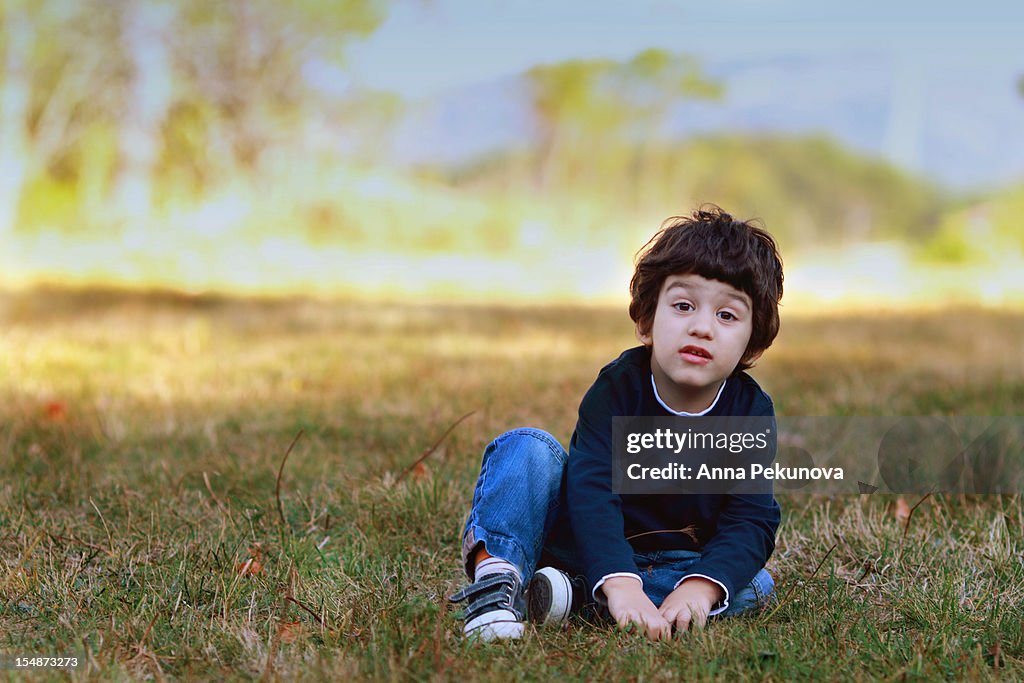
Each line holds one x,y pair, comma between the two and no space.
735,533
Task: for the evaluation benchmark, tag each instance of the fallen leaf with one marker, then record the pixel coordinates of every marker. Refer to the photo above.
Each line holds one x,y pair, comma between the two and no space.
995,655
56,411
289,631
251,567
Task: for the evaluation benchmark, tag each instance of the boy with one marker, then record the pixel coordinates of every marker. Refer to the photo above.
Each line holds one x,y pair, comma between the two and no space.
704,298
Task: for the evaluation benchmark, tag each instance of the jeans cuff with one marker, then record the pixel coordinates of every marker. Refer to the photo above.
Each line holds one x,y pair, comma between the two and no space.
497,545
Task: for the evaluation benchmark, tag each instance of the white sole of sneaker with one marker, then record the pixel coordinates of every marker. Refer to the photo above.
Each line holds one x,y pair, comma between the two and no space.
559,593
499,624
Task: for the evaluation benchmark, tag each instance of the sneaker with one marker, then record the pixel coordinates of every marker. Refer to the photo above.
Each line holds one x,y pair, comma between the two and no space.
496,608
553,596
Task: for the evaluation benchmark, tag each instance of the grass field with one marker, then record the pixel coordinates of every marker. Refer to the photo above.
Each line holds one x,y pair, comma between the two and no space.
144,527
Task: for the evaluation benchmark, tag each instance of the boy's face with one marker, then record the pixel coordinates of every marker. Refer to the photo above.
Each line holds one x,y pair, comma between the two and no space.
701,329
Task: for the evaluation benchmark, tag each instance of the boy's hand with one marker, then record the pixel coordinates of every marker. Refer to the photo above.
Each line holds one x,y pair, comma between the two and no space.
690,603
628,604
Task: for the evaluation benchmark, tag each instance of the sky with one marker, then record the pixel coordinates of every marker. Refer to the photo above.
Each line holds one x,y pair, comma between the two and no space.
949,69
428,46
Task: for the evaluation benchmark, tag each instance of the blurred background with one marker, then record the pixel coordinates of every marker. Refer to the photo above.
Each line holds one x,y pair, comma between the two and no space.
485,151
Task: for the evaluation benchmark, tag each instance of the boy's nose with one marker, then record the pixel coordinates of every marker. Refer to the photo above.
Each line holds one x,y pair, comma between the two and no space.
700,326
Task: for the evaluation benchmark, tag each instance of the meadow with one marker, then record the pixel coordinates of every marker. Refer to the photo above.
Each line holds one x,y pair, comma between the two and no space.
213,488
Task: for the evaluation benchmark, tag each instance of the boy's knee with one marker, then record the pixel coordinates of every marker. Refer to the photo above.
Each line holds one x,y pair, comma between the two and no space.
532,445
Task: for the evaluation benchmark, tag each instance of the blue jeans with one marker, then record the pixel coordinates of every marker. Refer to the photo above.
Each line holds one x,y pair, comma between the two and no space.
519,515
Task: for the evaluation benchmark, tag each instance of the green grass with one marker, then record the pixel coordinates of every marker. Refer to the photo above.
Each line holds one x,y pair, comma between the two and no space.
141,436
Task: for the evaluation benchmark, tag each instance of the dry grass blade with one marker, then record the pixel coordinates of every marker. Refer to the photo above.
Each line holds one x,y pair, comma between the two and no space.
149,627
689,531
280,471
24,558
268,669
307,609
206,480
427,453
78,541
822,561
910,516
785,598
110,538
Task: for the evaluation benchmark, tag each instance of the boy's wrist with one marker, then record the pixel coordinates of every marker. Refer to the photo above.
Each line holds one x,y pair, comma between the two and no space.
618,584
704,587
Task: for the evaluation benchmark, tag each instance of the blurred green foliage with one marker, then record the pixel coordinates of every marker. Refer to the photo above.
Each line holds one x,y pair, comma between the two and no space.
139,104
979,231
809,191
230,125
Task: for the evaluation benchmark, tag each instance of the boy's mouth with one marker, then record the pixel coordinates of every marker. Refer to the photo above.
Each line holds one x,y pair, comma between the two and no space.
696,355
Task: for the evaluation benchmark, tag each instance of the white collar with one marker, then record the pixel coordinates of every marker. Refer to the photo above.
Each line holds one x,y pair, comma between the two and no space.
681,412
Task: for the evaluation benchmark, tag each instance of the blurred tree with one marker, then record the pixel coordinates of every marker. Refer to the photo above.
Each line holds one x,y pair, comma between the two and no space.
368,117
244,61
571,108
16,36
810,191
144,36
113,97
49,92
653,82
603,115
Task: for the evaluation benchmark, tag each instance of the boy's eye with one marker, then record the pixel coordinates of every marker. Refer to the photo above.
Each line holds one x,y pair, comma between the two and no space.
682,306
726,315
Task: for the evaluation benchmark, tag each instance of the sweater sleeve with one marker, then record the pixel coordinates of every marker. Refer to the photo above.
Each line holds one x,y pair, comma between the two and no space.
595,513
744,539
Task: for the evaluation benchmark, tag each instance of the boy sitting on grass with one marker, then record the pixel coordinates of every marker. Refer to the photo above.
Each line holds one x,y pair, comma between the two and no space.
705,297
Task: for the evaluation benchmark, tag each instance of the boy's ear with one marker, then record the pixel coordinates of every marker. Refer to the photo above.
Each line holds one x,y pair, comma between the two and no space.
645,339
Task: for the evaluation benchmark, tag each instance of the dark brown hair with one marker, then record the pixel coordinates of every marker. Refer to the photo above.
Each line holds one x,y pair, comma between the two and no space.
714,245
